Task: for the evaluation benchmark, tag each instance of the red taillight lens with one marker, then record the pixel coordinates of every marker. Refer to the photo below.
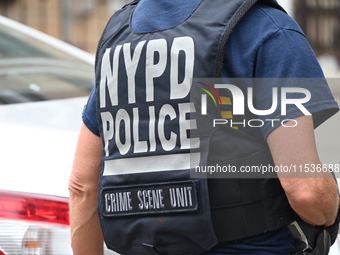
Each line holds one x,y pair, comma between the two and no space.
32,224
30,207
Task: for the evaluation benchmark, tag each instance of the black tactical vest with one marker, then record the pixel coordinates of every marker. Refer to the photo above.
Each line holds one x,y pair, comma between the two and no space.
154,135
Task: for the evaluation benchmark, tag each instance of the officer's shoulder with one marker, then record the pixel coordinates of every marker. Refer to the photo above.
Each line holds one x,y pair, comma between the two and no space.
273,17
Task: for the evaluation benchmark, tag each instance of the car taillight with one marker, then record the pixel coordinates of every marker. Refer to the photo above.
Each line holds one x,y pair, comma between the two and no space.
33,225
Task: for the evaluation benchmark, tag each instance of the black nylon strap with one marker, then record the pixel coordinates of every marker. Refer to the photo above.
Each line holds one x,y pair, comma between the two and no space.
151,249
233,22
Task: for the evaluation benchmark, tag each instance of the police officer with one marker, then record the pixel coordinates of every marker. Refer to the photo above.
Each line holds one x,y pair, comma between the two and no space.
264,43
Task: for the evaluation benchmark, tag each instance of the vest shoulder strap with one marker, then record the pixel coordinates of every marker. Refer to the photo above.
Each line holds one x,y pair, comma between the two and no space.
244,8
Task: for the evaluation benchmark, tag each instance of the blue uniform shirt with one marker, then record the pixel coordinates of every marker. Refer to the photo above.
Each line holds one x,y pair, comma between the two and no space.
266,43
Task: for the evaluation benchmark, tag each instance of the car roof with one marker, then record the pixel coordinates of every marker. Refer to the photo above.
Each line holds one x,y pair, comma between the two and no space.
49,40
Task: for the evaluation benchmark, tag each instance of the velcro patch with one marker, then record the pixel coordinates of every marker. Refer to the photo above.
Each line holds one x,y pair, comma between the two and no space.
161,198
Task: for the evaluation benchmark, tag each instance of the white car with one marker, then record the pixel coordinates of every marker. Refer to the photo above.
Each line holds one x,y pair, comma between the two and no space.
44,84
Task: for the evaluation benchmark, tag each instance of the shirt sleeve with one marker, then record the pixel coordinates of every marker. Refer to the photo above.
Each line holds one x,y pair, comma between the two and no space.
288,57
90,113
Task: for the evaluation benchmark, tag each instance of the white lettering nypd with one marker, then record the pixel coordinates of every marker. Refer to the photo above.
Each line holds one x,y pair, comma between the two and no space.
150,199
126,126
109,79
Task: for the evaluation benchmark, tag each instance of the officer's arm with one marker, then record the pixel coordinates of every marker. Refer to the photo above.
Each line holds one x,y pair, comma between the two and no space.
86,235
315,199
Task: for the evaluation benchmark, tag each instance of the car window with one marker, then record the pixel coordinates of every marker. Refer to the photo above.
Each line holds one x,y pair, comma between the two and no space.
32,70
39,84
14,44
